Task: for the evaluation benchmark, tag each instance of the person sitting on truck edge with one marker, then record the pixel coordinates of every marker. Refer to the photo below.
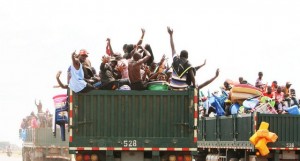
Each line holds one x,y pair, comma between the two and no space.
183,73
134,69
279,97
33,120
77,82
89,72
226,86
107,74
121,66
274,86
241,79
294,100
286,91
118,69
259,81
269,92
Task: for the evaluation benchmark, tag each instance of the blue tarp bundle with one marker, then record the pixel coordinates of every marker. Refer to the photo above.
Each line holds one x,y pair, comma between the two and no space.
218,102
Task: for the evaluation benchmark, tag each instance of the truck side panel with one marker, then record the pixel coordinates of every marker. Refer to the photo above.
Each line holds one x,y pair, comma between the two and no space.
133,119
39,144
44,137
287,128
233,132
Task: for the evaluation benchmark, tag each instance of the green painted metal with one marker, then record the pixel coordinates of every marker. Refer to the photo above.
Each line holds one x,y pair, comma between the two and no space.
44,137
244,127
226,128
235,131
287,128
201,129
210,131
145,118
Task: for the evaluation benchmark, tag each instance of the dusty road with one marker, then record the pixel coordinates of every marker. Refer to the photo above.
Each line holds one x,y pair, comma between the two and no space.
14,157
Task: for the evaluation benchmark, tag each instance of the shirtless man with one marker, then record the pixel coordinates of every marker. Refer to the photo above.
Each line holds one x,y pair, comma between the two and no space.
134,69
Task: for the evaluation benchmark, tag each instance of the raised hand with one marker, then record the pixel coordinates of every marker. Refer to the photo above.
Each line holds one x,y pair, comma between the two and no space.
143,31
170,31
58,74
217,72
74,54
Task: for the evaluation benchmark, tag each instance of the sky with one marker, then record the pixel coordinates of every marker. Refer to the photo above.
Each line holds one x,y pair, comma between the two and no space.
239,37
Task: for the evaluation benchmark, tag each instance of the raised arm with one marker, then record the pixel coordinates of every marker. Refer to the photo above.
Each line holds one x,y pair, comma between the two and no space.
138,44
35,102
59,82
208,81
200,66
170,31
75,60
144,59
142,37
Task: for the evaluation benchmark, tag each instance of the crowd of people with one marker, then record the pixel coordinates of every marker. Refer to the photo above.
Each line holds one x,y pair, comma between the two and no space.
136,67
39,120
275,98
131,70
283,95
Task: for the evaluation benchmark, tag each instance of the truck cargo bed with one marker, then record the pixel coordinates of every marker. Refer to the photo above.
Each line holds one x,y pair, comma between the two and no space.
233,132
132,119
43,137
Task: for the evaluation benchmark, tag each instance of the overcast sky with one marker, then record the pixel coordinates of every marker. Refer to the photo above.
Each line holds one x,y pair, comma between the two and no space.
240,37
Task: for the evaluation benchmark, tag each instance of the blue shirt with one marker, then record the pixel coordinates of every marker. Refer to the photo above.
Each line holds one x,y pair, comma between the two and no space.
77,82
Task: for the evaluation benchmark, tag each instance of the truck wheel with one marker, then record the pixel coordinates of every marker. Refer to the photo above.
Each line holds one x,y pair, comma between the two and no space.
23,154
26,156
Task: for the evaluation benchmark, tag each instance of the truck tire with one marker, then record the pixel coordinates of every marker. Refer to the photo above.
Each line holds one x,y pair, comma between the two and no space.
26,156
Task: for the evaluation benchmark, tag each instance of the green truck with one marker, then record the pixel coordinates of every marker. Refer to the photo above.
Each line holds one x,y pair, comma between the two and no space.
133,125
164,125
39,144
225,138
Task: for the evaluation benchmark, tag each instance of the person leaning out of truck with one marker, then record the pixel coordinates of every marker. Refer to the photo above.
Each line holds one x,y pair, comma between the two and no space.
77,82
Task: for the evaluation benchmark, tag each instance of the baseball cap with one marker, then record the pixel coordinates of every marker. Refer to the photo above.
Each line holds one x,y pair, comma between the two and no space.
83,52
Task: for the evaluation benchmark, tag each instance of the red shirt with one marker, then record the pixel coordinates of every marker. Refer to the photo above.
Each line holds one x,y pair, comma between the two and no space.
34,123
271,95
